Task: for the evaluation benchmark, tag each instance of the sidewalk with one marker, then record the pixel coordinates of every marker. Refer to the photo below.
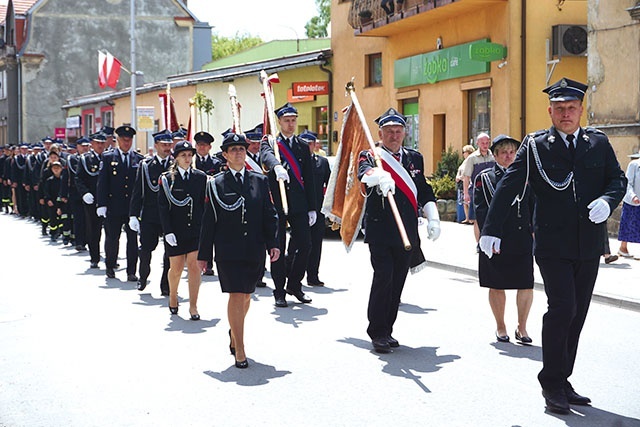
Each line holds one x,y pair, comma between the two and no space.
618,283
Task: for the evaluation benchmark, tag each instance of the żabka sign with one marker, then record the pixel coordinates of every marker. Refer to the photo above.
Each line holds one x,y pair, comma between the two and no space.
310,88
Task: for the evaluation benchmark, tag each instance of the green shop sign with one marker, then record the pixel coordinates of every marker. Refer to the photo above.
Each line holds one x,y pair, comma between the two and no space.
458,61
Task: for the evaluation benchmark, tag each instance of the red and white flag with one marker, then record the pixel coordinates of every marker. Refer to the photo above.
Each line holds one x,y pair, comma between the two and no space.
173,124
113,70
102,69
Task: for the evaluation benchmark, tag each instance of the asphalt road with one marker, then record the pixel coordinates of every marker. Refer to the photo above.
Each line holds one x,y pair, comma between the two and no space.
78,349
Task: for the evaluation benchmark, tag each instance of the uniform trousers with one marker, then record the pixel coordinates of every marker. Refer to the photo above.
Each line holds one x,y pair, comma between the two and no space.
79,231
301,240
112,229
54,220
150,233
36,210
569,286
317,233
22,200
6,195
93,232
390,267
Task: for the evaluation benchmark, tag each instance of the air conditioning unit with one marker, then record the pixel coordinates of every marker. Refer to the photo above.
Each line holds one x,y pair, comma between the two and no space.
569,40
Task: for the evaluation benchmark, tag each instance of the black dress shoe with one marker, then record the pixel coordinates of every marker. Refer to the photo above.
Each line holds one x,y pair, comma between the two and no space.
164,294
281,302
381,345
142,284
94,265
111,274
523,339
574,398
556,401
502,338
300,296
209,272
195,317
315,282
242,364
80,248
393,342
132,278
261,284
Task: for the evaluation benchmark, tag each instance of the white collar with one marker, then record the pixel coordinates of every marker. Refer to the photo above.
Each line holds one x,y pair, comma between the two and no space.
234,172
183,171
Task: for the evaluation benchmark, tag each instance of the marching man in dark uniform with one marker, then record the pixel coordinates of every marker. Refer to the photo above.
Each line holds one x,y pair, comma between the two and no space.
254,137
403,170
18,167
115,183
87,183
297,170
577,182
143,211
209,165
70,195
241,222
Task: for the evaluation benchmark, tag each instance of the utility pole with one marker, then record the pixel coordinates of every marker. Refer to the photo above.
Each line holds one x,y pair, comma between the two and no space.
133,64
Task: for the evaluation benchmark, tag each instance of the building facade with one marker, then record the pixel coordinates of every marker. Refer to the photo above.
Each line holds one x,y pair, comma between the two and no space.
457,68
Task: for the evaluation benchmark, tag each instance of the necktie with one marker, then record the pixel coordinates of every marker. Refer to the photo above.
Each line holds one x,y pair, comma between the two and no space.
571,146
396,156
186,176
126,159
239,178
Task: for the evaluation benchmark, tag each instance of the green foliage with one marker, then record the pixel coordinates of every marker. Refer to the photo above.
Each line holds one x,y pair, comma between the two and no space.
204,105
444,187
226,46
317,26
449,163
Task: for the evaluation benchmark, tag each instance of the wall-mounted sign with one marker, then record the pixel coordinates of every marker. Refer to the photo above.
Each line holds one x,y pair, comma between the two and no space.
439,65
73,122
146,117
487,51
310,88
293,99
60,133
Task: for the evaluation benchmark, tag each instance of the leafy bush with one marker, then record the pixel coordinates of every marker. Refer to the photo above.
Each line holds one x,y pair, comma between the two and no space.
449,163
444,187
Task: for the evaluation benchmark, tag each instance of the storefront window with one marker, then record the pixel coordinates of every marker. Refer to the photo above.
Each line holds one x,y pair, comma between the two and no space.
322,127
410,111
479,113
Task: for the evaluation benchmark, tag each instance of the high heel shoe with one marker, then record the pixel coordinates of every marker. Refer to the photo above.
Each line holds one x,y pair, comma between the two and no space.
173,310
502,338
231,348
523,339
195,316
242,364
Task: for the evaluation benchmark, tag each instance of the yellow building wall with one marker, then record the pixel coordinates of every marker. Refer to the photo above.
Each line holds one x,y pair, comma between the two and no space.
499,21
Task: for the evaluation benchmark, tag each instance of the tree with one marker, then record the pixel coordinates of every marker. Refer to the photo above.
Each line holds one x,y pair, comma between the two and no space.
203,104
225,46
317,26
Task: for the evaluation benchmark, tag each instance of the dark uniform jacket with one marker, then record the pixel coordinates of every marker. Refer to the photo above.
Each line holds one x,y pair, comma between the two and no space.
517,229
87,176
51,190
301,198
144,198
321,173
68,189
115,181
211,165
18,169
379,223
561,224
183,221
246,232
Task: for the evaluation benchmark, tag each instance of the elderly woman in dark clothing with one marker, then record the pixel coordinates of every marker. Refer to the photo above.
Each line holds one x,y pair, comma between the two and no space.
181,204
241,222
512,269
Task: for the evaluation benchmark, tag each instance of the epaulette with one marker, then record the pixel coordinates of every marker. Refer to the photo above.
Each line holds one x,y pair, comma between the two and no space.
539,133
411,150
591,129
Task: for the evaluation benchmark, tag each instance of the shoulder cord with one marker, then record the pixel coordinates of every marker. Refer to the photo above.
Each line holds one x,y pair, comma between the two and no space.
75,172
18,164
147,178
559,186
172,200
83,159
487,186
227,207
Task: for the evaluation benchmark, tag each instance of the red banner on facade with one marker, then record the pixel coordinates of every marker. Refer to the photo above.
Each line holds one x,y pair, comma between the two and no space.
310,88
60,133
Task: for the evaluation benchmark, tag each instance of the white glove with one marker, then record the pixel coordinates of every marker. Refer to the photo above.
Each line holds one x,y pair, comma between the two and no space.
171,239
313,216
489,244
134,224
88,198
599,211
102,211
382,179
281,173
430,211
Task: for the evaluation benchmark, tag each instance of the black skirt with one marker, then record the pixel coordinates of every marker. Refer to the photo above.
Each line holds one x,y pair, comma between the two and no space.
240,276
505,271
184,246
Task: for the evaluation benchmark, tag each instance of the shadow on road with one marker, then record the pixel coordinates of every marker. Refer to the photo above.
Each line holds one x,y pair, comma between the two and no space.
531,352
255,374
404,361
414,309
297,313
188,326
589,416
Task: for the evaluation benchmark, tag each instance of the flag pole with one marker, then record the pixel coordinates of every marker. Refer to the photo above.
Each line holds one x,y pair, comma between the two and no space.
133,65
392,201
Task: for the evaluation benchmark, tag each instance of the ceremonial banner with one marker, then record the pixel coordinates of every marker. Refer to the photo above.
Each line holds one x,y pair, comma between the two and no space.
173,124
344,199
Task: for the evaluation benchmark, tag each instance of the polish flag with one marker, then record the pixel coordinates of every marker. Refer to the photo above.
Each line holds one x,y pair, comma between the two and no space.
171,124
113,70
102,70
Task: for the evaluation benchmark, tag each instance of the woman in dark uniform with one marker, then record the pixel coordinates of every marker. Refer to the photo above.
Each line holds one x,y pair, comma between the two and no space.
181,203
241,222
513,269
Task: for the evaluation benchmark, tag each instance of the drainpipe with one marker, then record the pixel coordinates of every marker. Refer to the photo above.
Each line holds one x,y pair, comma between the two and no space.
523,68
19,66
329,106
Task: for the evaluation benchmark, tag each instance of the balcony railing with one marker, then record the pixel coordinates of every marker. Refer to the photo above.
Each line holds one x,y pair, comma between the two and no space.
367,14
